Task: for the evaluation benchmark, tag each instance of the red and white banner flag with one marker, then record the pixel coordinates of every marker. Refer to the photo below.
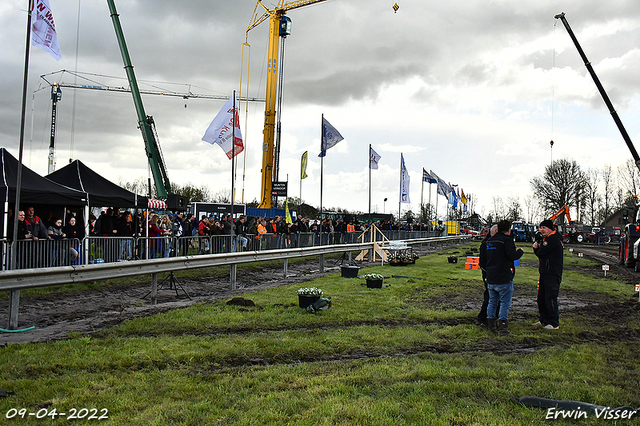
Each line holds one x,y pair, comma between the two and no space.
374,157
43,28
221,132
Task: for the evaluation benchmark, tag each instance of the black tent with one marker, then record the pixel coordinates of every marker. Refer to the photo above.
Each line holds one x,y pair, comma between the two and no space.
34,188
102,192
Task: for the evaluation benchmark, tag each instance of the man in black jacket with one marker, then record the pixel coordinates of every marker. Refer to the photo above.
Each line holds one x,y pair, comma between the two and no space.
550,255
482,315
501,252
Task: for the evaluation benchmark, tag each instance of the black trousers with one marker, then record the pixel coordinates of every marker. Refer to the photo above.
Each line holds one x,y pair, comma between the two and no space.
548,289
482,315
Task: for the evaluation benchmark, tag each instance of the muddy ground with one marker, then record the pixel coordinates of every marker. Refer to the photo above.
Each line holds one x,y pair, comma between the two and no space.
56,316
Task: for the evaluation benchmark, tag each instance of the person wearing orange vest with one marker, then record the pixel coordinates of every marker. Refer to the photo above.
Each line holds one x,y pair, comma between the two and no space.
350,228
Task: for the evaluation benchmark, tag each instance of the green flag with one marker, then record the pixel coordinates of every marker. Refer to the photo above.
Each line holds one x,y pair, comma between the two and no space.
303,166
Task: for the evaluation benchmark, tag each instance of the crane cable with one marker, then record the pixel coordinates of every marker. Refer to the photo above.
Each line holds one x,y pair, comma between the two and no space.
553,84
75,92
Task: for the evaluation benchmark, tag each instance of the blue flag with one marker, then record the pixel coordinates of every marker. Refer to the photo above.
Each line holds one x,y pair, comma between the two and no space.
426,177
453,199
330,137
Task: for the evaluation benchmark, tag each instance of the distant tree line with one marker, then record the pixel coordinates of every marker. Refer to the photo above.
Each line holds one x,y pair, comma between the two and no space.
591,194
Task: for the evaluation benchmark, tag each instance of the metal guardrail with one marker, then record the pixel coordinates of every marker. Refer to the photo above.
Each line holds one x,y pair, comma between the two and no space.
21,279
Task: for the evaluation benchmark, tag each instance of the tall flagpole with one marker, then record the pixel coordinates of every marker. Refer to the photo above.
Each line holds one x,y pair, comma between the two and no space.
14,295
369,181
233,153
429,218
400,192
321,168
422,194
436,218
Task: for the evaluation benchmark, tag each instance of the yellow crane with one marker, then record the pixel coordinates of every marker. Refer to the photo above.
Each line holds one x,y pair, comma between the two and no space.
279,26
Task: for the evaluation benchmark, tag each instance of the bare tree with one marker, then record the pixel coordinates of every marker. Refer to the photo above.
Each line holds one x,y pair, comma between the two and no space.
222,196
514,210
629,178
591,196
498,211
607,182
562,183
139,186
533,208
193,193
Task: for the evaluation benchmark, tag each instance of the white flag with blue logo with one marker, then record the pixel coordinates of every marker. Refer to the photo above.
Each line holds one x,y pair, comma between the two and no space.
374,157
330,137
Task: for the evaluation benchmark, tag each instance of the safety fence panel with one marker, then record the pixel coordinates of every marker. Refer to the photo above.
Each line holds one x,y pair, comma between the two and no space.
51,253
43,253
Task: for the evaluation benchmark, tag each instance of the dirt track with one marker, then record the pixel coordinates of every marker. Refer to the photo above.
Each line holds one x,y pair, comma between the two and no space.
55,316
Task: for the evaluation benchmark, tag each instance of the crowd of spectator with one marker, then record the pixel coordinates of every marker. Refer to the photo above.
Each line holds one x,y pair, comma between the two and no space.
182,234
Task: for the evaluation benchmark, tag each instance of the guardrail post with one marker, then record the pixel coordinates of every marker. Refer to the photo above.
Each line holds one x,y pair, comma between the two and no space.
322,263
233,270
154,289
286,266
14,306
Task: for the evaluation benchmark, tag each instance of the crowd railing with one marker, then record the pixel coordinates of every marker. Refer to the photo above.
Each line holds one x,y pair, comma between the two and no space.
91,250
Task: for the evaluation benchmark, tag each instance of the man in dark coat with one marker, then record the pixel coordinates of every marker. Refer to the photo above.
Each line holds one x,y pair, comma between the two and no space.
501,252
550,256
35,227
482,315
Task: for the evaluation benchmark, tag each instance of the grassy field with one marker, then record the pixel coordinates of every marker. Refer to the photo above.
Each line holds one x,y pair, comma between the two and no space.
406,354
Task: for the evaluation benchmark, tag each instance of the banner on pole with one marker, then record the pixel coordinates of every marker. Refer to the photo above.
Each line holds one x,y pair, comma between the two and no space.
220,132
374,157
426,177
43,29
443,188
330,137
404,182
303,165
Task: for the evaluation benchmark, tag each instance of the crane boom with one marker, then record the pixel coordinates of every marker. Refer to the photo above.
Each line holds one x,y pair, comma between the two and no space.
145,122
605,97
105,87
563,210
269,159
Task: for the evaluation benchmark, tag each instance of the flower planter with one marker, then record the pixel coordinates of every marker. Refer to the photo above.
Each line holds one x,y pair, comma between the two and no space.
374,283
452,259
350,271
305,300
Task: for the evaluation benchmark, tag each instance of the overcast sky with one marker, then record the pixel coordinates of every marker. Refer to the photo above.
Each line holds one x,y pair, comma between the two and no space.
473,90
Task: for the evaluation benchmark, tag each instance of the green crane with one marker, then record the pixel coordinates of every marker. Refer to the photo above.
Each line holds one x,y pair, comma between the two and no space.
145,122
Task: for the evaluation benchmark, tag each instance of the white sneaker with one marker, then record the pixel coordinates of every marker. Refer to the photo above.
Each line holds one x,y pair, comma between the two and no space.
536,324
550,327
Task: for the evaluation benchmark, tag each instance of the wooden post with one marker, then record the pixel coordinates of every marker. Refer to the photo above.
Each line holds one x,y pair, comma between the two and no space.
154,289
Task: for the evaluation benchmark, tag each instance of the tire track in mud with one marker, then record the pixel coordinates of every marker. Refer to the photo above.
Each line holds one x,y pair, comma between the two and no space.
127,306
56,316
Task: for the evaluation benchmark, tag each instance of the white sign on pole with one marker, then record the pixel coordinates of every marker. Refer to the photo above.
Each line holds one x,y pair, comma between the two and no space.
605,268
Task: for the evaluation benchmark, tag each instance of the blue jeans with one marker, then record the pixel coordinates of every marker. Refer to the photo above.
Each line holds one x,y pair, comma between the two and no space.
502,293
